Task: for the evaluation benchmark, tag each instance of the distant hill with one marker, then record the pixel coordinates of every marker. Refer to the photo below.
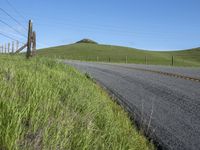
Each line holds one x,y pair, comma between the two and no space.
87,41
107,53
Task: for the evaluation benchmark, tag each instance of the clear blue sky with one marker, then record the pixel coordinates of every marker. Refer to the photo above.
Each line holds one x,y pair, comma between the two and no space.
146,24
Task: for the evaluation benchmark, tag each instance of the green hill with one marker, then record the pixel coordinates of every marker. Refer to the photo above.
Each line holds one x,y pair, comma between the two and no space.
108,53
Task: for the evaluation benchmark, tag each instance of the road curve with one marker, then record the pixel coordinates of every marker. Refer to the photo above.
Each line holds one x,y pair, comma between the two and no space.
166,106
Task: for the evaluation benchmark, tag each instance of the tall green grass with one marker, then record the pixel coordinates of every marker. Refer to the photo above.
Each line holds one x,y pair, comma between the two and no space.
47,105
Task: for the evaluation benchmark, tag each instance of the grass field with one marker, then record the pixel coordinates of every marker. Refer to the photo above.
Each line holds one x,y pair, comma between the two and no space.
47,105
106,53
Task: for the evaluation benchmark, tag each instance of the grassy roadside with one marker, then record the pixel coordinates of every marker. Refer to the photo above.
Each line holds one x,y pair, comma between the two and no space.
47,105
107,53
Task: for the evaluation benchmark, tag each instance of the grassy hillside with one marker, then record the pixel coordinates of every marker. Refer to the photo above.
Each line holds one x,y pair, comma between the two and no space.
95,52
47,105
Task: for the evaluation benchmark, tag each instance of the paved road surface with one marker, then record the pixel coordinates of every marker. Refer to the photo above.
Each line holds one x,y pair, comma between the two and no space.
167,107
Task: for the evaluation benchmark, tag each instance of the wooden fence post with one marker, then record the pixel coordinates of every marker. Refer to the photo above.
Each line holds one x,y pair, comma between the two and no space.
34,44
5,48
13,46
172,60
8,48
126,59
28,53
2,49
146,60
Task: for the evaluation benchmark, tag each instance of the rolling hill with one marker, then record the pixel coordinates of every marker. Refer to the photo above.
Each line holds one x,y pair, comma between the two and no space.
107,53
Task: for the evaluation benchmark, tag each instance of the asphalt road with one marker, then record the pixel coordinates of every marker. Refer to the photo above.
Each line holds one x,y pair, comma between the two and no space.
168,108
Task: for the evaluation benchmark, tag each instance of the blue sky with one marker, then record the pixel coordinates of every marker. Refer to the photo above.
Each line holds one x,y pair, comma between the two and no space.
145,24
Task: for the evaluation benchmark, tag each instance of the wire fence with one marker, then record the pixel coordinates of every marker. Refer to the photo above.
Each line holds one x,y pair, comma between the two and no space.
176,60
15,34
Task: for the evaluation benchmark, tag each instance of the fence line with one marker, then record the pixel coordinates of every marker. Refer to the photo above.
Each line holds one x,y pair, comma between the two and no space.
173,60
9,48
